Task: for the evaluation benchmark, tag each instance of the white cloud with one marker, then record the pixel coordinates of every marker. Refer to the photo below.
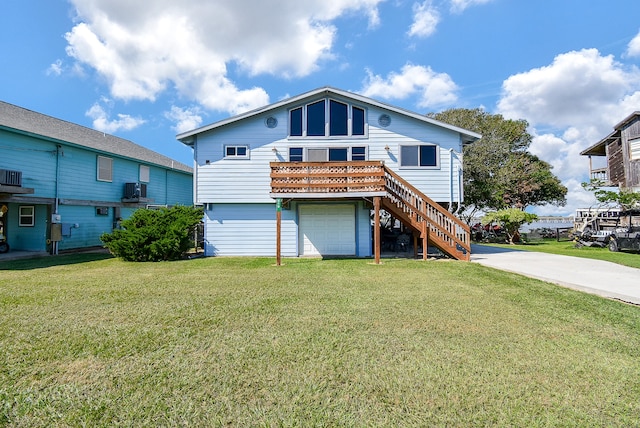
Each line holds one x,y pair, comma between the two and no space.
102,123
580,89
633,49
425,19
55,68
185,119
458,6
433,89
145,48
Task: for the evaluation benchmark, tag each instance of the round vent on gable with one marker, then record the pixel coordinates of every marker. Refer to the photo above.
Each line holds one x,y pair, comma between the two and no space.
271,122
384,120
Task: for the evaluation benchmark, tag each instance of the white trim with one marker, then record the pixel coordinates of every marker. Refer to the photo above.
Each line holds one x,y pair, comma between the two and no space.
22,216
247,154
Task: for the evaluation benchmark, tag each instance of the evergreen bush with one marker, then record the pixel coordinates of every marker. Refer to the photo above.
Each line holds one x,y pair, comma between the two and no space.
155,234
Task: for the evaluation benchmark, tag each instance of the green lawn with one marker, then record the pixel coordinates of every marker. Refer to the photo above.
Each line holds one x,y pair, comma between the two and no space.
88,340
568,248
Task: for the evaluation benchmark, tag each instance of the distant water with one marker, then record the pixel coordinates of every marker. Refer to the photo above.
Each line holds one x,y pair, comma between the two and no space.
546,224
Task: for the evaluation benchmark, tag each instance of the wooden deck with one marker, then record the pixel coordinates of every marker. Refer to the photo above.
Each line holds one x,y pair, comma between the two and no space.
428,220
299,178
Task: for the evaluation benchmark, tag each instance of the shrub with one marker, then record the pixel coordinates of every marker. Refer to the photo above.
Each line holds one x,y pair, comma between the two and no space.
154,235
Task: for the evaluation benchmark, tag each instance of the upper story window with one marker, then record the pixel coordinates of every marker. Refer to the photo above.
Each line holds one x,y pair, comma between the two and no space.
105,168
327,118
236,152
420,156
144,173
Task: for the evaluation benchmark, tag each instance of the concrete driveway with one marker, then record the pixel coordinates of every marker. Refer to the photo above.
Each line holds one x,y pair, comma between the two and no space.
592,276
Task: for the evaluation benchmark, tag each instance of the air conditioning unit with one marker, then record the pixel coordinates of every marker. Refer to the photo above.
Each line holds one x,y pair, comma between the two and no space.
10,178
135,190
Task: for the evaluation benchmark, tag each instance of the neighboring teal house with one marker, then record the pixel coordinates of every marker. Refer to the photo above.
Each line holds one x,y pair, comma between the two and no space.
62,185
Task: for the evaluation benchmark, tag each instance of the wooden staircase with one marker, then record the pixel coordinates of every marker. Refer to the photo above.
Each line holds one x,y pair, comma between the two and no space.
425,217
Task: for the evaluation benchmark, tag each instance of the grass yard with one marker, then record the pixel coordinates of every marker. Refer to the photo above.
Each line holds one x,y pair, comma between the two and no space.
88,340
568,248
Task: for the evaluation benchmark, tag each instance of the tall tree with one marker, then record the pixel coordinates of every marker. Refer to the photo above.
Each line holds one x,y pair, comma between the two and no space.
499,172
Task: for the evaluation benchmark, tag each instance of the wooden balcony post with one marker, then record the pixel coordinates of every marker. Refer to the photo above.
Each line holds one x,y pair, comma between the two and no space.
278,230
376,230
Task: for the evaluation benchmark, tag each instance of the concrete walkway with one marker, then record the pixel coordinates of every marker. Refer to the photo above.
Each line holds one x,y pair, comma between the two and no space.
592,276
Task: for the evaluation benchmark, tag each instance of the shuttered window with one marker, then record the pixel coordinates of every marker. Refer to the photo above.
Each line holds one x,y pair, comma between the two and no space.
105,169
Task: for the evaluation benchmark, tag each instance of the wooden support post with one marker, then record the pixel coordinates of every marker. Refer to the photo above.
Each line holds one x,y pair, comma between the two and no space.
376,231
415,245
425,239
278,230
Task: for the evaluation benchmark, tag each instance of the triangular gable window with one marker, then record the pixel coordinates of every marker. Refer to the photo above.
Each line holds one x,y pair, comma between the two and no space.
327,118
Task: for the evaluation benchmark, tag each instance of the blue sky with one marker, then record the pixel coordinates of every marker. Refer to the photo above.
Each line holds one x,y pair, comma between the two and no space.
146,71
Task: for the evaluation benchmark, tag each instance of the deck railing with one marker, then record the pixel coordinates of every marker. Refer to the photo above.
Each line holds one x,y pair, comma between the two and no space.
327,177
446,229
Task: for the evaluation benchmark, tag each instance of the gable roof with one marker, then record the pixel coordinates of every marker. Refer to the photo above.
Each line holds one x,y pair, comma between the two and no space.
599,148
30,122
187,137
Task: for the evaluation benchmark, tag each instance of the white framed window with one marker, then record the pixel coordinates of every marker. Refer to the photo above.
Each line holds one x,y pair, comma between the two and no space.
420,156
327,118
330,154
27,216
105,168
236,152
144,173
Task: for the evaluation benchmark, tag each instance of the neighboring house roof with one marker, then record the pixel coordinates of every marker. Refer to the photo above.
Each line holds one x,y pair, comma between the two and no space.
30,122
599,148
187,137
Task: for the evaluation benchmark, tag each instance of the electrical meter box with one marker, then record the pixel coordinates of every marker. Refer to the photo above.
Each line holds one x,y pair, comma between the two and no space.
56,232
56,218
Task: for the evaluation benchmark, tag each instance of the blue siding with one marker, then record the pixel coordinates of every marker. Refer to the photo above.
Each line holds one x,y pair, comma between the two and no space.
27,238
82,227
248,230
35,158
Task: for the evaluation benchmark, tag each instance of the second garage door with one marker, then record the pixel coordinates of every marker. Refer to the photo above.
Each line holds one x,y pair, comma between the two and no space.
327,230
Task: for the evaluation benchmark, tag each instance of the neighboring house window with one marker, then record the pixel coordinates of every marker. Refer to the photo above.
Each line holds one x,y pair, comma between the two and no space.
327,118
144,173
634,146
241,152
26,216
423,156
105,169
323,154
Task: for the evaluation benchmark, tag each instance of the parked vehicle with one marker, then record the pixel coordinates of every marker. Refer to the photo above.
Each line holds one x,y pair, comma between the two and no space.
625,239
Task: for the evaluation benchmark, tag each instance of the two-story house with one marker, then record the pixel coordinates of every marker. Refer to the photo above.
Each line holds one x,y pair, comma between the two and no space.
621,150
62,185
309,175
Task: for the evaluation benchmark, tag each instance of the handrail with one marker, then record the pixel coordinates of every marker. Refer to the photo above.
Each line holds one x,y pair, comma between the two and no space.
443,225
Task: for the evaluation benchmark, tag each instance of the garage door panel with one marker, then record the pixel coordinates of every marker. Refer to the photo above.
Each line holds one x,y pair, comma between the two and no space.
327,230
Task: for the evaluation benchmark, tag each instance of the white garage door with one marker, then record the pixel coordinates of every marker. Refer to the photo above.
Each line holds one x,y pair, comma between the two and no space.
327,230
